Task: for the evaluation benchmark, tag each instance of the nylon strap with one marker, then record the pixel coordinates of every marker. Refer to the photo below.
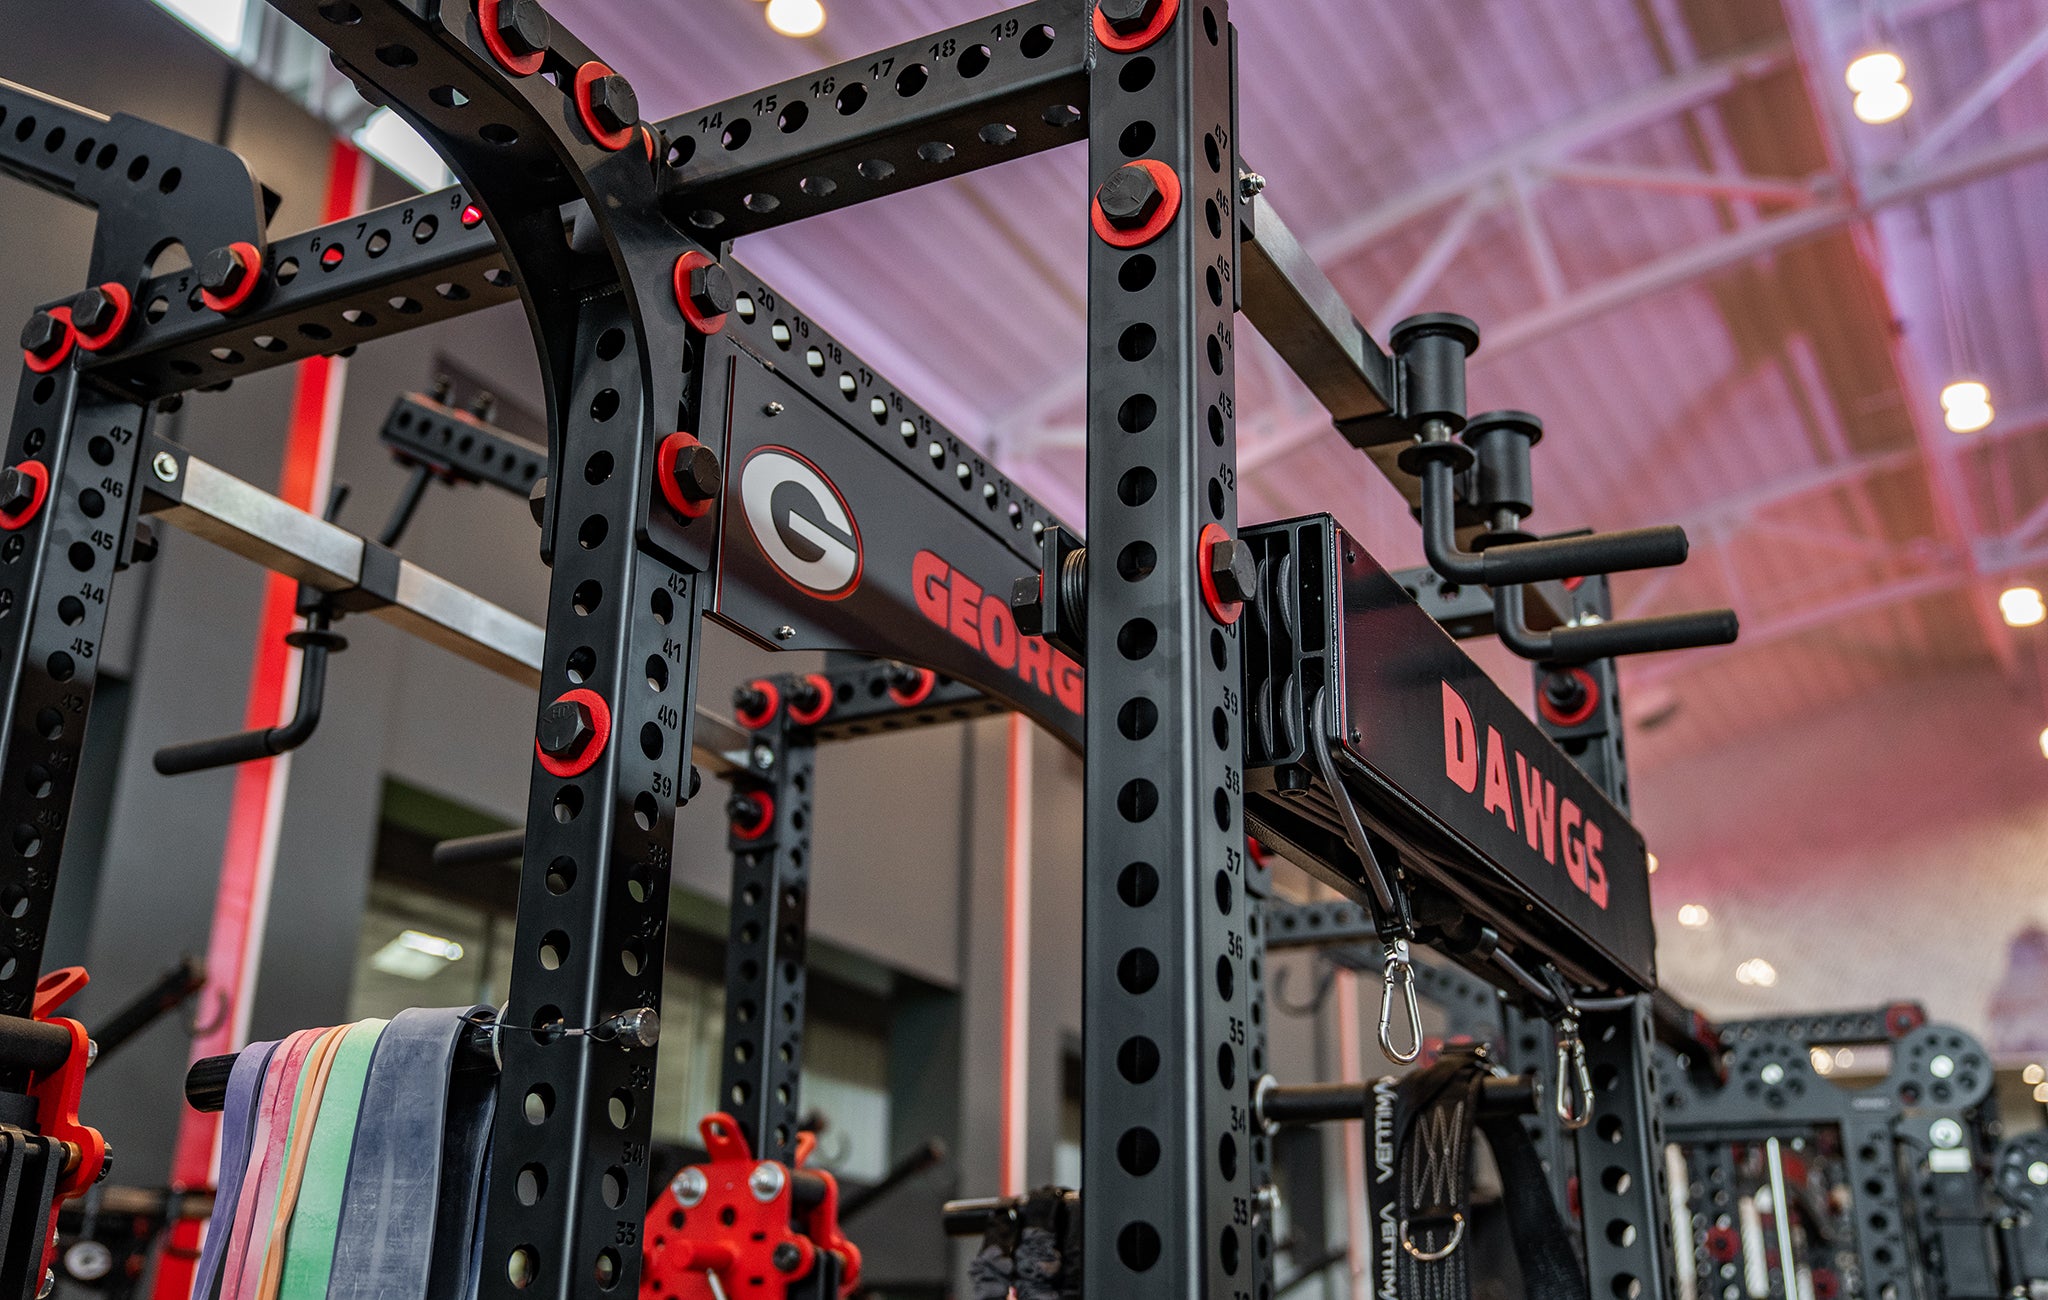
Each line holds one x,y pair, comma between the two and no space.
1550,1271
1420,1189
408,1215
267,1154
238,1127
309,1245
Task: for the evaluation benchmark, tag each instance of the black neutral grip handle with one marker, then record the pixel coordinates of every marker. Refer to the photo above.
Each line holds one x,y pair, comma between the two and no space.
221,751
1637,636
489,849
1516,563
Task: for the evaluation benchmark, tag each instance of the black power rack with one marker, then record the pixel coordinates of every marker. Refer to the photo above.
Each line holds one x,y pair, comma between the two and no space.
714,452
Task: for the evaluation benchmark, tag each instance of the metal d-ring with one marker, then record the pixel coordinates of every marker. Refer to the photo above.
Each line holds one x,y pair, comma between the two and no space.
1442,1252
1573,1112
1399,970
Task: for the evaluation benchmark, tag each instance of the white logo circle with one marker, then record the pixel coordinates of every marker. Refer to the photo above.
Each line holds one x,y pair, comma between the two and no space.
801,523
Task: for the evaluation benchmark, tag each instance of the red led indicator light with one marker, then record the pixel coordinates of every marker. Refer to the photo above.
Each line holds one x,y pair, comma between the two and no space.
471,215
330,256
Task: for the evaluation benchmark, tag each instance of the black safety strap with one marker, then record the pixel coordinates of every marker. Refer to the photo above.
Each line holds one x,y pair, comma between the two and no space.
1419,1188
1550,1271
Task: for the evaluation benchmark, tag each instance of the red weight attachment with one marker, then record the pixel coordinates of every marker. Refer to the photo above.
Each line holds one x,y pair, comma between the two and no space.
1722,1244
685,264
56,1096
586,77
40,476
919,690
44,365
524,65
823,705
756,1247
771,701
1169,208
1557,717
252,271
665,477
764,817
1223,611
124,307
583,759
1137,40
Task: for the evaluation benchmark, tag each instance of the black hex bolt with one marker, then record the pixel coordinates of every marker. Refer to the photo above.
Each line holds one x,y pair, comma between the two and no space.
524,26
710,289
221,272
565,728
750,700
1130,197
697,472
1233,571
17,490
613,103
1027,604
786,1258
93,311
1128,17
43,335
742,807
1564,692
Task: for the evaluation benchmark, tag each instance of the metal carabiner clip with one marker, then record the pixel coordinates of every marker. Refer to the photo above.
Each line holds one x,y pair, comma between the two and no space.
1399,970
1573,1113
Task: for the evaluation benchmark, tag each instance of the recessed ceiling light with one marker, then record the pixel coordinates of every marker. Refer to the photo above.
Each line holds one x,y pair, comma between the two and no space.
2033,1074
1966,406
1757,973
2022,606
1695,916
796,17
416,955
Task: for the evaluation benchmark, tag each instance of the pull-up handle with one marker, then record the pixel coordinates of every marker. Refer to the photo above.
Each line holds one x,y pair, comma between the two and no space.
1635,636
266,742
317,642
1499,443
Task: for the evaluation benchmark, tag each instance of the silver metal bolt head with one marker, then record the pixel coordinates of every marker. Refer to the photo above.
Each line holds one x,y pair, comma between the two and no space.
1945,1133
767,1181
1941,1067
690,1186
165,466
1773,1074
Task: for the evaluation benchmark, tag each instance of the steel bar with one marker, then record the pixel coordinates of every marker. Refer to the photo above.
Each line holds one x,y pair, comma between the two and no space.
208,502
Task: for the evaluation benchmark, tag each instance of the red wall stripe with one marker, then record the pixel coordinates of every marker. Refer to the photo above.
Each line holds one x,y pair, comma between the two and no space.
242,898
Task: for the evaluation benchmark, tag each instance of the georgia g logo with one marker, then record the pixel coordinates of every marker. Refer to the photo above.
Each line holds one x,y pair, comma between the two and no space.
801,523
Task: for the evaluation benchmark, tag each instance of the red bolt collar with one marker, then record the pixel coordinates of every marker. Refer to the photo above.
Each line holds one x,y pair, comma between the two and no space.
524,65
252,271
764,817
44,365
1169,208
665,476
1223,611
1153,30
586,77
1902,1018
124,305
823,706
685,264
600,721
1557,717
771,701
37,472
919,691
